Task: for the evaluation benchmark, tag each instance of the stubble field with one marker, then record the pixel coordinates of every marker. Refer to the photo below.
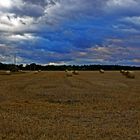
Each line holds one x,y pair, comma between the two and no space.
52,106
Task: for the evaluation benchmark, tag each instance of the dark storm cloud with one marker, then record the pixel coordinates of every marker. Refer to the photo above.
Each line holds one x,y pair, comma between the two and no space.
71,31
28,10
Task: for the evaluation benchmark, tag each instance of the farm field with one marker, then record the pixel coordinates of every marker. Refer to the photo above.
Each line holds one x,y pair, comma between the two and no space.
52,106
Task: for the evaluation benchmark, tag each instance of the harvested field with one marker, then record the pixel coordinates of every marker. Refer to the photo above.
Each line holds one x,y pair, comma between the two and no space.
52,106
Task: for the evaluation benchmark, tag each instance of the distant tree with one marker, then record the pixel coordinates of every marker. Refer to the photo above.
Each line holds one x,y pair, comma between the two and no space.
20,66
13,68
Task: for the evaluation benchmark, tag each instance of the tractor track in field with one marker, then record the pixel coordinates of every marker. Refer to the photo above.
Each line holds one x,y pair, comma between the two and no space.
76,82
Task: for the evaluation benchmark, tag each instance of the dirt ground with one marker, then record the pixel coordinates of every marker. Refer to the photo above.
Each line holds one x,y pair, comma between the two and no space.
52,106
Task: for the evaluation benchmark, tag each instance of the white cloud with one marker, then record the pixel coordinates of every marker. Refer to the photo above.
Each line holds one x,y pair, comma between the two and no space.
8,5
19,37
13,23
134,19
122,7
121,3
57,64
136,60
5,3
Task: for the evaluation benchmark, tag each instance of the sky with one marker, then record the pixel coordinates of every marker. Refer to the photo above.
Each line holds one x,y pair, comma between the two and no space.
75,32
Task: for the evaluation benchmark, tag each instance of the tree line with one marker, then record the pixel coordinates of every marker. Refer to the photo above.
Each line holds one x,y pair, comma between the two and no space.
34,67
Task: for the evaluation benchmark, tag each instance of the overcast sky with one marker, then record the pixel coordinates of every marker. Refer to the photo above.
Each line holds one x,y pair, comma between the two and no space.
70,31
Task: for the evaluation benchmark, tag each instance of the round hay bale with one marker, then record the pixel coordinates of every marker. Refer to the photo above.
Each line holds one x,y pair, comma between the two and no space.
125,73
101,71
122,71
35,72
66,70
21,70
8,72
39,70
130,74
75,72
69,73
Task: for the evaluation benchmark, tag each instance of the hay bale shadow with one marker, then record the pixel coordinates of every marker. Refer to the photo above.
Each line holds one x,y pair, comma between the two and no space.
65,102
